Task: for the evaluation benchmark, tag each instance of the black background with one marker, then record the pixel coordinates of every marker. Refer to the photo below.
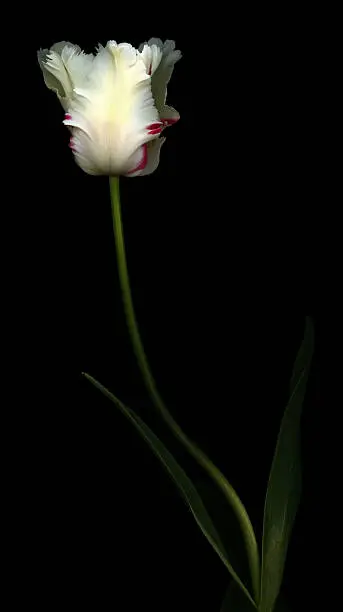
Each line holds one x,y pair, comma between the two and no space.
223,247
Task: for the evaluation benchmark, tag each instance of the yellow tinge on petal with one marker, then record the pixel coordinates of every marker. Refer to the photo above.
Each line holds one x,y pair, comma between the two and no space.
112,112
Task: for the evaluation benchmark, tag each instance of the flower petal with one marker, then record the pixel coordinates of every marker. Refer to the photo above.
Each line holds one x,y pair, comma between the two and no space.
153,150
78,64
55,74
112,111
151,55
169,115
138,160
64,67
163,71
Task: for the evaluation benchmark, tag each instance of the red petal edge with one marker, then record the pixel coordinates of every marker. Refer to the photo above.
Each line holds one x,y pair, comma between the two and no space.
143,161
155,128
167,122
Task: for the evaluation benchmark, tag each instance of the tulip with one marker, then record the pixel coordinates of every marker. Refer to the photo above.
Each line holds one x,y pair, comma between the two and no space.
114,102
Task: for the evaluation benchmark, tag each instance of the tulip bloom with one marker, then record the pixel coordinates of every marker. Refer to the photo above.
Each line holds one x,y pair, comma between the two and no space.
114,102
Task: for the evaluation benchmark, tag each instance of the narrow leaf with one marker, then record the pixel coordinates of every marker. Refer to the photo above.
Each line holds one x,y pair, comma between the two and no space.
235,601
183,482
284,487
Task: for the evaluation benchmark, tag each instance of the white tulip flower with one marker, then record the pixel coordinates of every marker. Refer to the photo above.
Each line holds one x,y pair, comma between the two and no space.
114,102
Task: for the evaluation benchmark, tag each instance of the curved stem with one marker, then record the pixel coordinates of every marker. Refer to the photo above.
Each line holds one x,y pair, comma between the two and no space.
228,491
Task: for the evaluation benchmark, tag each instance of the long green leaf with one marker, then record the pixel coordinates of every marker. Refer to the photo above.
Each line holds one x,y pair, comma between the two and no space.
180,478
284,486
235,601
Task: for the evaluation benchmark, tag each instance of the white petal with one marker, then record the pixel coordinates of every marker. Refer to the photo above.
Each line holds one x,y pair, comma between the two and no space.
112,112
152,41
151,55
55,74
153,150
78,64
64,67
58,47
138,160
162,71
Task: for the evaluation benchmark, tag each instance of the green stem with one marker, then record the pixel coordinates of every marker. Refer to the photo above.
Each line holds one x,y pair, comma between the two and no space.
194,450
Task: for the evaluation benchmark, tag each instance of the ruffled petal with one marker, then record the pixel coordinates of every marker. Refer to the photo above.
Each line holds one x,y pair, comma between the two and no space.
111,115
78,64
151,55
64,67
55,74
150,163
163,71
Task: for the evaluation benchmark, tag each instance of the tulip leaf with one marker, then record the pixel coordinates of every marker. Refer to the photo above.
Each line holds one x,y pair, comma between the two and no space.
183,482
284,486
235,601
225,521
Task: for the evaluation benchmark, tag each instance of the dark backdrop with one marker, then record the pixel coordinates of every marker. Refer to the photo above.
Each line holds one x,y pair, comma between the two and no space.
222,248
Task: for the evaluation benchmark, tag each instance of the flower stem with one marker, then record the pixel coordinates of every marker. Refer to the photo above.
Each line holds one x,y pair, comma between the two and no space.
228,491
